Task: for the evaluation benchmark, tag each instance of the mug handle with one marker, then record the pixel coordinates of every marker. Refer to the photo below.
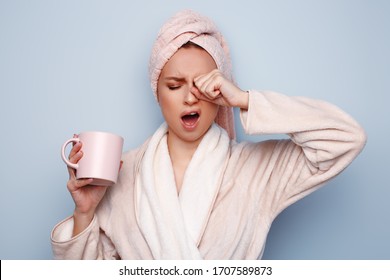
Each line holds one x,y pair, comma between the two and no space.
64,158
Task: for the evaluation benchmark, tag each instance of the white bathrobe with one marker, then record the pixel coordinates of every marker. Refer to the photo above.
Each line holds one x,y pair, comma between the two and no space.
258,181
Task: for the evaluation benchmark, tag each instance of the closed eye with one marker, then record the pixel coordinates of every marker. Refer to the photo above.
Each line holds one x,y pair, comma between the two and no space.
174,87
174,83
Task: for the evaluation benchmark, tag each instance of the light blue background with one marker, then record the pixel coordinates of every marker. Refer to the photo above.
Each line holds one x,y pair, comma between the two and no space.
70,66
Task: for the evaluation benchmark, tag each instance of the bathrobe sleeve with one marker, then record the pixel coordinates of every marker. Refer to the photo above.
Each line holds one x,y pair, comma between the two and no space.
113,233
90,244
323,141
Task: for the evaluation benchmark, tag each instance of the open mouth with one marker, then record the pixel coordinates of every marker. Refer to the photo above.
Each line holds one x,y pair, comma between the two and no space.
190,120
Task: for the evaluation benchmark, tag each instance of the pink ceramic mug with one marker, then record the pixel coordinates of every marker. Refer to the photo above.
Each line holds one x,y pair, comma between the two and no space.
102,153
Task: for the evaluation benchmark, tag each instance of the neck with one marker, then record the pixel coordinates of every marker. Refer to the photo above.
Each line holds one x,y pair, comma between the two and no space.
181,151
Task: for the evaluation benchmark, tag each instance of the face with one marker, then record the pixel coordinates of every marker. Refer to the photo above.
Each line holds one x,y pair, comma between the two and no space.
188,118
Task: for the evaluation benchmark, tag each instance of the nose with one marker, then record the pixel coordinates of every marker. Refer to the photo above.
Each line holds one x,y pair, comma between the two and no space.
190,98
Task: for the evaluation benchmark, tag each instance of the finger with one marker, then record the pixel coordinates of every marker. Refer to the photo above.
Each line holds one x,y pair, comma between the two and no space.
212,75
202,78
199,95
83,182
211,88
195,91
72,173
73,185
75,136
76,148
209,84
200,82
76,157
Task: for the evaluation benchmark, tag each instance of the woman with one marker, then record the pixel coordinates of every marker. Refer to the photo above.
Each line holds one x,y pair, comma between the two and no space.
191,191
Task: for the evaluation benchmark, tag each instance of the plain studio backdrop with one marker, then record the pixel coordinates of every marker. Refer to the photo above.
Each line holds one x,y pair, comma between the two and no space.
71,66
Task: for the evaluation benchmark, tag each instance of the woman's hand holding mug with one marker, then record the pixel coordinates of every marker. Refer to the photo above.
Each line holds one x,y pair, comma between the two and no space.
93,165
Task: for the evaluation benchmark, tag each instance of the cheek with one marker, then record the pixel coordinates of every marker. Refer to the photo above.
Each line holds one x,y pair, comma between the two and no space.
164,105
161,97
167,105
212,111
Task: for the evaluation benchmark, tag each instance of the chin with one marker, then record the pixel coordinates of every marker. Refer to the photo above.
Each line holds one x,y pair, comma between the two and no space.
195,135
192,136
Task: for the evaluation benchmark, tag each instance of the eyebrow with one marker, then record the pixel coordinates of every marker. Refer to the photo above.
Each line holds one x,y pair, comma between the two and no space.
177,79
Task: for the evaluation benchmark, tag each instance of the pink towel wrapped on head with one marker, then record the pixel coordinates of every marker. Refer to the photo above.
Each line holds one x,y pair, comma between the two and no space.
190,26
